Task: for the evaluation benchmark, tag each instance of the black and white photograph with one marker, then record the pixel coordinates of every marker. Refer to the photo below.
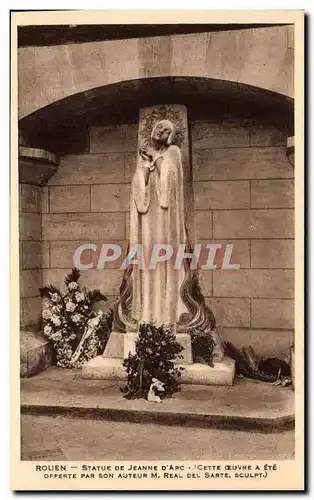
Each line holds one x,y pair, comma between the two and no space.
156,248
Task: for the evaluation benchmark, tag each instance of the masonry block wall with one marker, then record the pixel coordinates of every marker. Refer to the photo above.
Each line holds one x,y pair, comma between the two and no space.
243,186
244,194
32,253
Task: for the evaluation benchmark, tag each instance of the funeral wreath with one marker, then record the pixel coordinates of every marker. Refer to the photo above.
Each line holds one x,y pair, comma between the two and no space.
156,351
78,331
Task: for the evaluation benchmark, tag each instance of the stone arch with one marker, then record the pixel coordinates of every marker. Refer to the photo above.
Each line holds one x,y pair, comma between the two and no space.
260,57
52,126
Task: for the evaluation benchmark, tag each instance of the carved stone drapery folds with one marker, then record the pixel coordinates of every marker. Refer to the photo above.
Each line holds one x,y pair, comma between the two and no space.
197,314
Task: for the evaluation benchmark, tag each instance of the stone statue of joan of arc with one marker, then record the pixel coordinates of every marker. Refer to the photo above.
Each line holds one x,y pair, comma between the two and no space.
157,216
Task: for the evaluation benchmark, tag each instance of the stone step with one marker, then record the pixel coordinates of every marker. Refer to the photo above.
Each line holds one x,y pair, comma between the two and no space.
247,405
103,368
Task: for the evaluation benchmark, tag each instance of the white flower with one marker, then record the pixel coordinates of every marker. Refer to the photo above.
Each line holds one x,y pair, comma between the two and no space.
56,320
79,296
55,297
46,314
47,329
73,285
76,318
70,306
56,309
68,353
56,336
46,303
72,336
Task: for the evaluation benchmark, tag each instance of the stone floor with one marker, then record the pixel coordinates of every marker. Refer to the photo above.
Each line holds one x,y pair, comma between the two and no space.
247,405
59,438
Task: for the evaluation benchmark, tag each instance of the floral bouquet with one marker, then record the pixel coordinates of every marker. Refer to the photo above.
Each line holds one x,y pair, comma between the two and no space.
156,353
77,331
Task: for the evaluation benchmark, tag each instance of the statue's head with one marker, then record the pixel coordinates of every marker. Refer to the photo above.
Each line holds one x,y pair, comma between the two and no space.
162,132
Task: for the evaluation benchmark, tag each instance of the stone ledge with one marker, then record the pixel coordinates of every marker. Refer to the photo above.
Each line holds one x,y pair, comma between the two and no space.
36,166
35,353
247,405
230,422
101,368
220,374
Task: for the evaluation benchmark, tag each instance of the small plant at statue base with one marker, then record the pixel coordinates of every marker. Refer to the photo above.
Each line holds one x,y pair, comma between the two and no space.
202,344
69,320
156,350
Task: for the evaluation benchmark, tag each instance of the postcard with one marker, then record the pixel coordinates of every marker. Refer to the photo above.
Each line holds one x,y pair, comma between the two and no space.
157,269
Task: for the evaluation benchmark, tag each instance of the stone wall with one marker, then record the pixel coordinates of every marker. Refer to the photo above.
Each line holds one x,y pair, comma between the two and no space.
32,253
243,186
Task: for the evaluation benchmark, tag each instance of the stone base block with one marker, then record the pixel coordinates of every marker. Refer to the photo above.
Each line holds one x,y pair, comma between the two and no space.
220,374
115,345
104,369
198,374
185,341
182,338
36,353
129,344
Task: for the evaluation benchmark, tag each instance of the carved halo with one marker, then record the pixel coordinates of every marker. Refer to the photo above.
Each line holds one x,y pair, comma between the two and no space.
162,113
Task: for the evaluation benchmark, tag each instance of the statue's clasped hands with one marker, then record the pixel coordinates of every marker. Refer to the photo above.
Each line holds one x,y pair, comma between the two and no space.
149,155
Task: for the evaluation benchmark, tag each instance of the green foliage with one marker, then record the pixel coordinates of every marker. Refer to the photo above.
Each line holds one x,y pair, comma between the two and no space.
156,349
202,346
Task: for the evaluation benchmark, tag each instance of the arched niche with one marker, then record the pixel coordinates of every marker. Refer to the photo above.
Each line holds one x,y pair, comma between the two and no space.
60,127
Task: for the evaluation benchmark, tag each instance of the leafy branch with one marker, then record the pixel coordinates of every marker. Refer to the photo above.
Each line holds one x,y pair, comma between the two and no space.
96,296
74,275
46,291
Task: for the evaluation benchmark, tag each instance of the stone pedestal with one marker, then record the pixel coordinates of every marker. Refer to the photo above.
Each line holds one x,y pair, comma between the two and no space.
182,338
109,365
129,344
196,373
115,346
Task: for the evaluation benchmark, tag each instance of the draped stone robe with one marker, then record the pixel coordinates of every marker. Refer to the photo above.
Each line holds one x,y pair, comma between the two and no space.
157,216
